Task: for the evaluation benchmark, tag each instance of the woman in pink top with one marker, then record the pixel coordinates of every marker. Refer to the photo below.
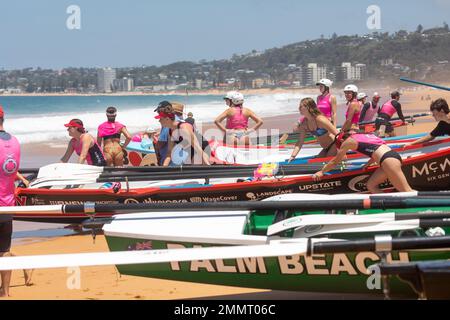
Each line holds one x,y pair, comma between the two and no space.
236,130
353,109
109,133
389,161
83,144
326,102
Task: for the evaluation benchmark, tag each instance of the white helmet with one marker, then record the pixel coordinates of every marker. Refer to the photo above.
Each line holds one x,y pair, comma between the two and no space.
153,128
361,96
326,82
376,94
230,95
352,88
237,99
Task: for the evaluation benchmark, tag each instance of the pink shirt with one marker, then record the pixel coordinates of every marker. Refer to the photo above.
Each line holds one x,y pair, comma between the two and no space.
388,109
355,119
324,105
107,129
237,120
9,165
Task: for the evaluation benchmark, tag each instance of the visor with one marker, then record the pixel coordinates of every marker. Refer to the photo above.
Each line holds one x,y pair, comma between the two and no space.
165,115
74,125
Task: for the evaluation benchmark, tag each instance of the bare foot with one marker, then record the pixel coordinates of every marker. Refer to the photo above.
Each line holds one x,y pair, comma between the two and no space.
3,293
27,275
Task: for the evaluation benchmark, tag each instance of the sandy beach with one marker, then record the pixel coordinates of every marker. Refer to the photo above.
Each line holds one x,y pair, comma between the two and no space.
106,283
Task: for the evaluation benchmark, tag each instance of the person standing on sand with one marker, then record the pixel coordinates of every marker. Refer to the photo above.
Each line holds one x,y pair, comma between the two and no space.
9,165
385,114
236,129
190,118
83,144
326,102
353,109
109,133
441,113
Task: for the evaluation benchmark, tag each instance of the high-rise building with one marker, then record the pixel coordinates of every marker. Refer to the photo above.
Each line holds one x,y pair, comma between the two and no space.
314,73
105,79
356,72
123,85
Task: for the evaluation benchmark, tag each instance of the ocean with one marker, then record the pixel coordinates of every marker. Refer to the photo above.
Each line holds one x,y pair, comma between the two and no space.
41,118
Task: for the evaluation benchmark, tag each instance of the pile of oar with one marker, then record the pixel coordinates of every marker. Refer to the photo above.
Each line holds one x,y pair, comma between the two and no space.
62,174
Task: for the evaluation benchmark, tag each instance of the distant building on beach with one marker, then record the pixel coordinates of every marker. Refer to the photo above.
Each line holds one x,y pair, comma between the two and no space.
105,80
313,73
123,85
356,72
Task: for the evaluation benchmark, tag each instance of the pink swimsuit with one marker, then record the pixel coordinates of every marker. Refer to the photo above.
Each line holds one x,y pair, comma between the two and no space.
94,156
367,143
9,165
238,120
324,105
355,119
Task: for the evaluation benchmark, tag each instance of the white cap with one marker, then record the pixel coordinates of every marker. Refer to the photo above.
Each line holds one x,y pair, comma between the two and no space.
326,82
361,96
352,88
376,94
229,95
237,99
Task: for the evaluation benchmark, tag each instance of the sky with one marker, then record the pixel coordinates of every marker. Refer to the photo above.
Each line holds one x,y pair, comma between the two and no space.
158,32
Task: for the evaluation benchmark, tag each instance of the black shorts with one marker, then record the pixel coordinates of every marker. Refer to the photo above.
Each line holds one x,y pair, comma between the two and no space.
390,154
384,119
5,236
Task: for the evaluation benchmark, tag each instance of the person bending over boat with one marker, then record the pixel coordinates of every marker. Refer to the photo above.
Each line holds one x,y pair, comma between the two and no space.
318,125
326,102
109,132
353,108
83,144
376,149
441,113
236,129
184,147
370,109
385,114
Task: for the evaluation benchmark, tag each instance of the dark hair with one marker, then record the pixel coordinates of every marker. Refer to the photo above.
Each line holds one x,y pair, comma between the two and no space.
395,94
111,110
440,105
2,120
311,105
80,130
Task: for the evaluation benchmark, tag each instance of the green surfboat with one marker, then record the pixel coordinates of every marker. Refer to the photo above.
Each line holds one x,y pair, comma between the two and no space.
330,273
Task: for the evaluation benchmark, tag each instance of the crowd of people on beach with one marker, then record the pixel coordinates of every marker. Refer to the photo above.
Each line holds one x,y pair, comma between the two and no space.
177,141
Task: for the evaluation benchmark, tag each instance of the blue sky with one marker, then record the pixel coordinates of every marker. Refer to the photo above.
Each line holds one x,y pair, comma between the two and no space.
155,32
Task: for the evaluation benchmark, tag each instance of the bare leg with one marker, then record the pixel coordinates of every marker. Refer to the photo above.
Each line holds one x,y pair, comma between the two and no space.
6,279
393,169
27,273
378,177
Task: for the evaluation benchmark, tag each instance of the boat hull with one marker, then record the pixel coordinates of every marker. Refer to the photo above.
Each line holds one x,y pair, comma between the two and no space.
331,273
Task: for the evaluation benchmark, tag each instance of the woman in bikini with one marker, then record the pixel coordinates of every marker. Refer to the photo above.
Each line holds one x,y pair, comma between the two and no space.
318,125
83,144
109,132
390,161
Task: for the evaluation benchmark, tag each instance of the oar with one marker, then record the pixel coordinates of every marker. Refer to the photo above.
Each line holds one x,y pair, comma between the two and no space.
273,249
310,205
336,220
426,84
380,244
417,115
151,256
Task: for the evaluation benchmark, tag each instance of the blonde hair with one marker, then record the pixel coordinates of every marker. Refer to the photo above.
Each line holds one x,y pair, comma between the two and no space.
177,107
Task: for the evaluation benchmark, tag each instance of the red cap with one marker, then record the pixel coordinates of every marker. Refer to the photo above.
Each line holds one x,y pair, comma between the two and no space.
2,113
74,124
165,115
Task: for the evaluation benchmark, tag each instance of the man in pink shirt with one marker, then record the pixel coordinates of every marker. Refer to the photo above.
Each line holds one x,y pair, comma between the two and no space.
9,165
